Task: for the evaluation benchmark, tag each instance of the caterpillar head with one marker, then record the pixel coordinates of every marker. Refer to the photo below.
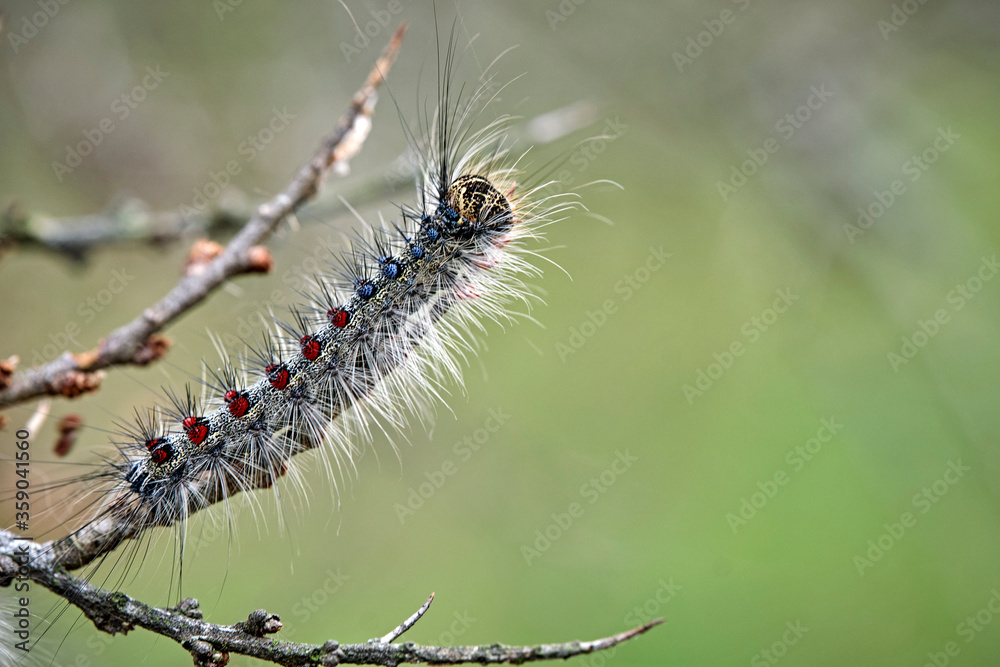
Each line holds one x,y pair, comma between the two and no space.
476,206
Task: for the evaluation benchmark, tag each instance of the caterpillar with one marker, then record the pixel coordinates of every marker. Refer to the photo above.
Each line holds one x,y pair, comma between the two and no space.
372,345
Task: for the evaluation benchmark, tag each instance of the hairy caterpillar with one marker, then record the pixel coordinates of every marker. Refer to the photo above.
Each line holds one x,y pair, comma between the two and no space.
372,345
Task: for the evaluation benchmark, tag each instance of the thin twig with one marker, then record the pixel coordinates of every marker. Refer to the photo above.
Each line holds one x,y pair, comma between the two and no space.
130,220
405,625
127,219
136,343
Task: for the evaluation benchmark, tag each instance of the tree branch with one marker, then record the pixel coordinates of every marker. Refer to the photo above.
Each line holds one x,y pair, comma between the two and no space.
211,645
136,343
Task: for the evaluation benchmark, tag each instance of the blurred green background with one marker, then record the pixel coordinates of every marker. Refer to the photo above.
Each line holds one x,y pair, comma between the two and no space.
786,490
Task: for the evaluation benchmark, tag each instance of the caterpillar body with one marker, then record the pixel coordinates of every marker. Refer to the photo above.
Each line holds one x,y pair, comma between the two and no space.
374,345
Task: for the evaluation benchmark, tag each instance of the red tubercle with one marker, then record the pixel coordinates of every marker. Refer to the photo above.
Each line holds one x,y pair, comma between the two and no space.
310,347
338,317
161,455
277,375
154,442
196,429
237,402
